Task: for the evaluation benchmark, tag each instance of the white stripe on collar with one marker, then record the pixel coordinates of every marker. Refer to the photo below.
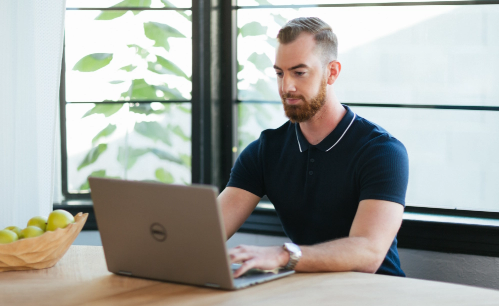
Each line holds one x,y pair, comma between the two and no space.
299,145
297,139
354,115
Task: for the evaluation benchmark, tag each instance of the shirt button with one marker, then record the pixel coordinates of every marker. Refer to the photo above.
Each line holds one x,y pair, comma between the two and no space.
312,160
311,172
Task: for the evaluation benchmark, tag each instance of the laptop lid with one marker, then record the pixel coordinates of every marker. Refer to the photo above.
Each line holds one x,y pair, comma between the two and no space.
165,232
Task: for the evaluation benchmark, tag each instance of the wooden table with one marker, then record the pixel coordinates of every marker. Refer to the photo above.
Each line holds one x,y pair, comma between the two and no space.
81,278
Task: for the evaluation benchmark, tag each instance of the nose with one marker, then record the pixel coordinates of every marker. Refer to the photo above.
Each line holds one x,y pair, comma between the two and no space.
288,84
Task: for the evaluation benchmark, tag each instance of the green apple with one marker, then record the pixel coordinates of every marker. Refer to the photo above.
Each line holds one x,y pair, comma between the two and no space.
38,221
15,229
59,219
7,236
31,232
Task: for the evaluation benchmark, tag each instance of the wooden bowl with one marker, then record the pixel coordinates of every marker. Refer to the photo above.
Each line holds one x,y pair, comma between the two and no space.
40,252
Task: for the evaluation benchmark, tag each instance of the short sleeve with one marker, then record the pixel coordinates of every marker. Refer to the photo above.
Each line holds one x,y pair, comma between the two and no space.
247,172
384,170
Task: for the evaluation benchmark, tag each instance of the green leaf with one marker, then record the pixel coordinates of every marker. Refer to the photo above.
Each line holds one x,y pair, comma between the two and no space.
262,122
263,112
164,176
92,155
178,131
133,3
184,109
169,4
268,92
110,15
170,93
108,130
139,50
244,140
116,82
239,67
272,41
186,160
104,108
188,17
244,114
140,90
261,61
263,2
129,67
164,66
98,173
160,32
166,156
153,130
128,157
253,29
281,21
145,109
93,62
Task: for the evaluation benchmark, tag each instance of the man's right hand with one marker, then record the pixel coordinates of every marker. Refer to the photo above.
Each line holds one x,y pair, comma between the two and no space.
264,258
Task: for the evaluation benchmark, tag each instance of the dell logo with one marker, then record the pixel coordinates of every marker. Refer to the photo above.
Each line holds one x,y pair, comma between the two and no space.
158,232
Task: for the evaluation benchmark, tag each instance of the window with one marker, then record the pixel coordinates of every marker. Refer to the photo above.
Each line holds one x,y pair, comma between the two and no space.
424,72
126,92
172,91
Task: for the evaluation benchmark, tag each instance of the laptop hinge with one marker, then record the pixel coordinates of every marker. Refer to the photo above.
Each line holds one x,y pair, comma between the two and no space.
125,273
212,285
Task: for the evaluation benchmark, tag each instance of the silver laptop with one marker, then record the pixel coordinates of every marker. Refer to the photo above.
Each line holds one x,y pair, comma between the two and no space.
167,232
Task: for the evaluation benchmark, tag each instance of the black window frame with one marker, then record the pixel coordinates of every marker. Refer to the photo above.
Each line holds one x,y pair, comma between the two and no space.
214,137
202,92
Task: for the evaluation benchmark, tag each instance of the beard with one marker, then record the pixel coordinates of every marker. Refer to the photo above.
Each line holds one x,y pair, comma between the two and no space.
306,110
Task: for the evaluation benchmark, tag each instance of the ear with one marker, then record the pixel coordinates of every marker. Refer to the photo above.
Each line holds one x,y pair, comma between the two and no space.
333,71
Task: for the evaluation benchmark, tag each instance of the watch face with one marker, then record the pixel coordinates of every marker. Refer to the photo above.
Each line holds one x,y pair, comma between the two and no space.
293,248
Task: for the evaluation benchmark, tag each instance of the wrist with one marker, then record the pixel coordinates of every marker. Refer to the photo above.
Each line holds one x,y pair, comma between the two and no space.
294,253
283,257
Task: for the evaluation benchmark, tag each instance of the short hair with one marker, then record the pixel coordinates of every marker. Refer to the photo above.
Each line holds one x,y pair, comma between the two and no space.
324,37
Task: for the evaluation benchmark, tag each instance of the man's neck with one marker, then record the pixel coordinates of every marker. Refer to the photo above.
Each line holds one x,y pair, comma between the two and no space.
324,122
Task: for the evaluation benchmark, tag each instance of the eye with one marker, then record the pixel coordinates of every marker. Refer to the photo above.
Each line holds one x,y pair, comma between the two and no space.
300,73
279,74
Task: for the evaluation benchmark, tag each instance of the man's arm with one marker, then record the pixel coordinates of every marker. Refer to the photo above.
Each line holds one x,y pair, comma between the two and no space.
237,204
375,225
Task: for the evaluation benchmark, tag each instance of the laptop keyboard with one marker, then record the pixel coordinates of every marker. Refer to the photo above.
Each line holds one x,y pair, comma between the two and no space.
254,272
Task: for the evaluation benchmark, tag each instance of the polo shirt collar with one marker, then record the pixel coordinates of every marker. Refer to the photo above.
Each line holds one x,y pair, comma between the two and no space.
332,139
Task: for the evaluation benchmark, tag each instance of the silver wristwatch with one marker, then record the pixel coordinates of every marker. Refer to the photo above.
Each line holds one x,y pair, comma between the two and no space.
294,255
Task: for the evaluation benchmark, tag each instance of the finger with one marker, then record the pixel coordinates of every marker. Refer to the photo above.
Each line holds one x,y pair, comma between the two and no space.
238,249
250,264
239,257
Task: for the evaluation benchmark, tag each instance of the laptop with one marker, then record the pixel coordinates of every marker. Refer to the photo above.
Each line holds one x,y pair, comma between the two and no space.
167,232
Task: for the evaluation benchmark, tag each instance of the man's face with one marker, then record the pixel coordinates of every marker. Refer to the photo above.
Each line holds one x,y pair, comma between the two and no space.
301,78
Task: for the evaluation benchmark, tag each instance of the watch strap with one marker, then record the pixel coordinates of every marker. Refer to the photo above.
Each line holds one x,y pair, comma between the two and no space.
294,255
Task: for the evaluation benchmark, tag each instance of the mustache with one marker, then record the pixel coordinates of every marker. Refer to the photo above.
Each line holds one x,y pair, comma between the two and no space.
291,96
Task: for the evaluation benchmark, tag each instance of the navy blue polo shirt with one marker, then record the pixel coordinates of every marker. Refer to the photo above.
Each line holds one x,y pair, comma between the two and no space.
316,189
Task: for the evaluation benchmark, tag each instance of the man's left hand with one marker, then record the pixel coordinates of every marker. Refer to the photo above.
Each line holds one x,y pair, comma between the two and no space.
264,258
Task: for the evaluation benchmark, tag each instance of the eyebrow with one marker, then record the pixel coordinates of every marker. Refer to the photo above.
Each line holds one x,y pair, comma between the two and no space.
294,67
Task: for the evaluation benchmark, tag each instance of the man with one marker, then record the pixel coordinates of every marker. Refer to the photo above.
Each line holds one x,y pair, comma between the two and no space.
337,181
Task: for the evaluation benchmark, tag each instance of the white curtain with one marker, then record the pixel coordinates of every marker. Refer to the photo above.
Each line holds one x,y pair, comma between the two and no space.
31,38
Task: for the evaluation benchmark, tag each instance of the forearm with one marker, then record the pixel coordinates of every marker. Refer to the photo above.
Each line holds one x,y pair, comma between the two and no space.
236,205
347,254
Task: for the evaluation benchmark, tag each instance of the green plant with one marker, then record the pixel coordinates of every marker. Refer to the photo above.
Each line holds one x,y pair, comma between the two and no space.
147,126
